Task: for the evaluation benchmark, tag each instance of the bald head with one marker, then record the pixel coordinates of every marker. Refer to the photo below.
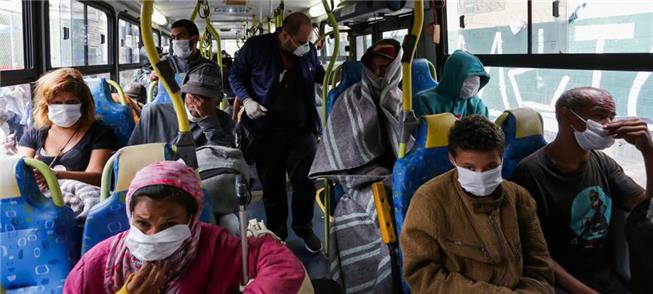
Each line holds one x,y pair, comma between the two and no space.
590,101
294,22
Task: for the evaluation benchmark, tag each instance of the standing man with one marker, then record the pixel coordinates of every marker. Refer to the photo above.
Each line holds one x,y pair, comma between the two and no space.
274,76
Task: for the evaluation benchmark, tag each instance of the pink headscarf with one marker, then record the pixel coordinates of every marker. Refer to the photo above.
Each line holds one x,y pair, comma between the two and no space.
121,263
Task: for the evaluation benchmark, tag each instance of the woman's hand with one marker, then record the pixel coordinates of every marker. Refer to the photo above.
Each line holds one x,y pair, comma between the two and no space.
40,180
149,279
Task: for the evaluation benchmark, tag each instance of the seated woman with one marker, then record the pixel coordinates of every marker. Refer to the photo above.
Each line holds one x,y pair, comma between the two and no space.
66,135
468,230
168,250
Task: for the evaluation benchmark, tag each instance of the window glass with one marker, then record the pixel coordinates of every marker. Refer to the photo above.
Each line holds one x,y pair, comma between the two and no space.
330,42
362,43
127,77
67,33
539,89
97,76
155,37
396,34
11,34
14,115
488,26
165,44
98,31
128,37
593,26
230,46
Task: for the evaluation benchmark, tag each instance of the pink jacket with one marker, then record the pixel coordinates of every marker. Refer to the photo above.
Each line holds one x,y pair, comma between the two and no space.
217,268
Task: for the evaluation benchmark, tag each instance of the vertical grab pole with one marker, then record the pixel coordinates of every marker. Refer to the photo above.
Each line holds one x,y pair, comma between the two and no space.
409,45
325,84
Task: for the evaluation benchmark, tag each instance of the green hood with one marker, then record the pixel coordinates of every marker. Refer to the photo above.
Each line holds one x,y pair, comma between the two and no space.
459,66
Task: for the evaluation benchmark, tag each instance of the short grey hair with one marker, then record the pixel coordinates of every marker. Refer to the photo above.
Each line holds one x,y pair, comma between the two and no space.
576,98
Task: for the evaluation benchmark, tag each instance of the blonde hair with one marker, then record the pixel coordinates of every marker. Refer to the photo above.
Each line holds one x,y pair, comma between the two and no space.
60,81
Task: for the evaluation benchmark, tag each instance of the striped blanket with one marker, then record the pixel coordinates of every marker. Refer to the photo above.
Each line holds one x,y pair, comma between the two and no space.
351,142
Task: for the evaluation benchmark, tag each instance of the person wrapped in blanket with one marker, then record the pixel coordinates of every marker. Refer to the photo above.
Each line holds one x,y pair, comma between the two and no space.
168,250
358,148
470,231
67,137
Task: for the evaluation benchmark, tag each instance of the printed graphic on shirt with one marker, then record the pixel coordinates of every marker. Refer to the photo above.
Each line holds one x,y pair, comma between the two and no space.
590,216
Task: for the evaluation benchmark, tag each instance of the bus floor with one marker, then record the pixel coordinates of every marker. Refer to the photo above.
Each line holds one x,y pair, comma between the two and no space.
317,265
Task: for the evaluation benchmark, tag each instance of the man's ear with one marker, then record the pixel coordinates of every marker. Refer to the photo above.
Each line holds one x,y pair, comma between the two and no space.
452,159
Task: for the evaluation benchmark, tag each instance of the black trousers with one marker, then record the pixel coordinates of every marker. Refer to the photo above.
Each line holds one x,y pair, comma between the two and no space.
278,154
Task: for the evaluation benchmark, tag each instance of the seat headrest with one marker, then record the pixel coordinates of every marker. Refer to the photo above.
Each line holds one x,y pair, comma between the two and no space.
434,130
422,77
528,122
131,159
100,90
8,183
162,96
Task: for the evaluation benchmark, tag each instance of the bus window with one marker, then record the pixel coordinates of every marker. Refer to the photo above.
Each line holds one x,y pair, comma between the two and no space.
539,89
128,36
14,113
396,34
155,36
98,32
362,43
11,34
593,27
230,46
165,44
67,33
105,75
329,43
127,77
486,26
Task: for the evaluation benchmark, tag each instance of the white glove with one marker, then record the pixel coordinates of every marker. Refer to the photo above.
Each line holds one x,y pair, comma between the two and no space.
253,109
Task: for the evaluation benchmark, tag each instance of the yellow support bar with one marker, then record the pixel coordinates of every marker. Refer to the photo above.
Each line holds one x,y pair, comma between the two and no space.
121,93
386,224
148,43
50,179
150,90
193,16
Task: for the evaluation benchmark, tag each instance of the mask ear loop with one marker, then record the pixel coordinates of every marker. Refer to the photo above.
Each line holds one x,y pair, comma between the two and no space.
579,117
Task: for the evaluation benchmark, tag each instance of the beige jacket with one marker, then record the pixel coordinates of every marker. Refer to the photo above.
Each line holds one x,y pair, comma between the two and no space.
454,243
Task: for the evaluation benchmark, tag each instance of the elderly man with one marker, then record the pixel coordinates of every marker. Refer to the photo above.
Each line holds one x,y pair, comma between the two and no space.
575,186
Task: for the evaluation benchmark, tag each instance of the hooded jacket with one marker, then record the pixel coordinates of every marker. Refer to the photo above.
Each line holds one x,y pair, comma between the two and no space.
446,96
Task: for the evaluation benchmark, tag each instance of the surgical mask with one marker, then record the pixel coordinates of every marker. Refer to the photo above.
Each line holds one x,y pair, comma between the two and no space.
191,117
158,246
302,50
470,87
181,48
595,137
480,184
64,115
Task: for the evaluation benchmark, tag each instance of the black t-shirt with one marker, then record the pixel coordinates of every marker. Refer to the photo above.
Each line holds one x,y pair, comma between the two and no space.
575,211
98,136
289,110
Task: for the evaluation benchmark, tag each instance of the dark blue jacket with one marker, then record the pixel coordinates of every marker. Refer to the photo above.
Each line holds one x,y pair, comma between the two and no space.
256,69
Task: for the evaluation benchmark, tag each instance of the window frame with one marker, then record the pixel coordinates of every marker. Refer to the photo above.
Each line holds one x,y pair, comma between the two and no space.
86,69
134,21
581,61
31,40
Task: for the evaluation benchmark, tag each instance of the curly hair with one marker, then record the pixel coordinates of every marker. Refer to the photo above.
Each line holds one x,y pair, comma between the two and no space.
60,81
475,133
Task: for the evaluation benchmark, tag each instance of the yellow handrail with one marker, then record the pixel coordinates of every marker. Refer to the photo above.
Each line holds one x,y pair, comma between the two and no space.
148,43
50,179
193,16
409,45
150,90
121,93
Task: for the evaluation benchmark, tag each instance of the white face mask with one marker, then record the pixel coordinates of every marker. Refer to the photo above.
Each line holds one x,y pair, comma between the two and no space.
470,87
595,137
302,50
191,117
64,115
181,48
158,246
480,184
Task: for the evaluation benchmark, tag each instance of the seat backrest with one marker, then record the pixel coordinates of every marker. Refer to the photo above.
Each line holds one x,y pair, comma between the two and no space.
350,74
116,116
428,159
109,216
422,76
524,135
39,240
162,96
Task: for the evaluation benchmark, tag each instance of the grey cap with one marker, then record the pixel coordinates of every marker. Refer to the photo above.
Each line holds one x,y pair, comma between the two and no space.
204,80
135,90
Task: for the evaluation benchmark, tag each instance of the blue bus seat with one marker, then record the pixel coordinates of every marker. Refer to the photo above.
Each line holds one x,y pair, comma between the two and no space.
428,159
116,116
109,217
351,73
421,75
162,96
524,134
39,240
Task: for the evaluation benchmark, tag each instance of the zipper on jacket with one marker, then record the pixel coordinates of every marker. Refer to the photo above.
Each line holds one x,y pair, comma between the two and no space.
482,249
